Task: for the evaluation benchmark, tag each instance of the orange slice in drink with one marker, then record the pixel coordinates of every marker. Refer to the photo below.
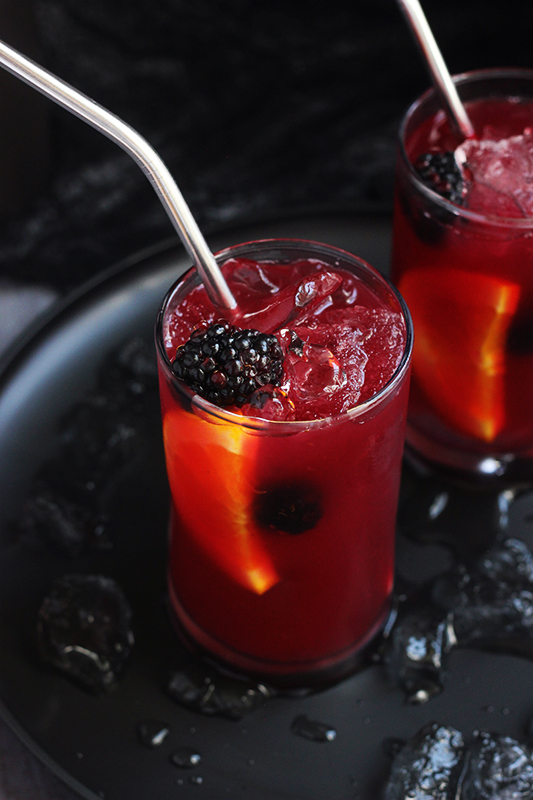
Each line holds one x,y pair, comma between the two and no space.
210,467
461,321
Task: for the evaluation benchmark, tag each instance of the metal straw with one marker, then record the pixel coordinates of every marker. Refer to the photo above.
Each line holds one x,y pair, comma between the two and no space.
142,152
437,68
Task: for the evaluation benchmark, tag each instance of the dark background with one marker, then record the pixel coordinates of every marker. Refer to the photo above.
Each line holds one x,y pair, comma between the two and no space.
259,108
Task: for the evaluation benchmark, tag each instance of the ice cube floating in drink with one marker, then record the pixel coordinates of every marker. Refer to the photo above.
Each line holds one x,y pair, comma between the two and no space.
283,506
463,260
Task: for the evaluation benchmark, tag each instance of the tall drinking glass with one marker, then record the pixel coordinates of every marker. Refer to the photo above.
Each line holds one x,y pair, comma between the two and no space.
465,269
282,532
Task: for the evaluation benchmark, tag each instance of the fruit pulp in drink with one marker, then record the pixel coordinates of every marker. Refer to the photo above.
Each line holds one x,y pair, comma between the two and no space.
467,279
283,520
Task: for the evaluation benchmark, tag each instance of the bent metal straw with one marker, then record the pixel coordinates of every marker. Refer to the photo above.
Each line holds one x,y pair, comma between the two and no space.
442,80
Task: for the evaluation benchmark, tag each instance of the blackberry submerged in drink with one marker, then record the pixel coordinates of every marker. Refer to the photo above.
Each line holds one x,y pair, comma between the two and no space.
283,432
462,258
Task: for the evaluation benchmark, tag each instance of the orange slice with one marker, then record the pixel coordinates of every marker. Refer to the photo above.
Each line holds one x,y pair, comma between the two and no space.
210,466
461,321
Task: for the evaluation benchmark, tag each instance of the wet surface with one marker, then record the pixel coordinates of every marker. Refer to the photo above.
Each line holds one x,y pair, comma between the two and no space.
475,590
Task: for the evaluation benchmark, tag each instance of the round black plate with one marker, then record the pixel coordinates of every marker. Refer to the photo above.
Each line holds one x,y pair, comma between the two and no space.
91,741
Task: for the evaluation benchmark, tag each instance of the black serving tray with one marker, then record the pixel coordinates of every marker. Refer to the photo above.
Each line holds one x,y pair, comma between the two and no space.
91,741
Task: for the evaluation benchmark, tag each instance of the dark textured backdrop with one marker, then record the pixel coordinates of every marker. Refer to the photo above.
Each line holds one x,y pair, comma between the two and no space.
257,107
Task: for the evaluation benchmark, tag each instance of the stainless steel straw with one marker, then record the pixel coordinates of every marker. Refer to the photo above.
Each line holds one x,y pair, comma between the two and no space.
142,152
437,68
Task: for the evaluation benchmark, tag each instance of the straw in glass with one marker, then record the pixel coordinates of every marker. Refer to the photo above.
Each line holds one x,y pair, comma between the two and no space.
441,78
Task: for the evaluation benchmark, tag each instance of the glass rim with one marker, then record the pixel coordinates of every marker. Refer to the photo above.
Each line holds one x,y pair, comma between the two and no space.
473,76
208,409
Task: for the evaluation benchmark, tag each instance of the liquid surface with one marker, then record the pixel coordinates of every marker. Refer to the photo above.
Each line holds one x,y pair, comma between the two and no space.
341,342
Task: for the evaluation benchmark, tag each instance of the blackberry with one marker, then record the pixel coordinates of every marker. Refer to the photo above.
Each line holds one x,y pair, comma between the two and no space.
226,364
293,508
441,173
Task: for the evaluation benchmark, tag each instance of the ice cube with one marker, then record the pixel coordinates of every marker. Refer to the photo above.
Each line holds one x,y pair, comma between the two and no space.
416,656
501,174
486,605
428,766
84,629
316,382
293,304
498,767
67,527
492,601
203,688
437,765
317,371
249,278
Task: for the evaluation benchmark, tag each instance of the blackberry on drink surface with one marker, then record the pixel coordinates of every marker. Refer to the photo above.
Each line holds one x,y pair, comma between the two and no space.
226,364
441,173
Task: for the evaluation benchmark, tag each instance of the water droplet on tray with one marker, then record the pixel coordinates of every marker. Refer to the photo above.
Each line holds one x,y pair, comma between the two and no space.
185,757
312,729
152,733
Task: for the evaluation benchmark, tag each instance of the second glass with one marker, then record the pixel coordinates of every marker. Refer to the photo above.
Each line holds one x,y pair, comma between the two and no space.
467,277
282,532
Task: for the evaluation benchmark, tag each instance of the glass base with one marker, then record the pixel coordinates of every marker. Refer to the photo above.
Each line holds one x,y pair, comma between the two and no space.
492,470
289,675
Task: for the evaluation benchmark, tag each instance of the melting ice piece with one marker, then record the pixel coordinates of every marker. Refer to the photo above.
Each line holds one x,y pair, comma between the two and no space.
428,767
488,605
66,527
498,767
501,174
293,304
314,373
185,757
84,629
416,655
202,688
492,602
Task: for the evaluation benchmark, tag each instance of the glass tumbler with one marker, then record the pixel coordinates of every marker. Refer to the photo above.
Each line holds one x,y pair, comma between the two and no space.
292,602
467,278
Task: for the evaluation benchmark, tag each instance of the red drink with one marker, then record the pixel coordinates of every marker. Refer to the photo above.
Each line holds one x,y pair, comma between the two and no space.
464,263
282,531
